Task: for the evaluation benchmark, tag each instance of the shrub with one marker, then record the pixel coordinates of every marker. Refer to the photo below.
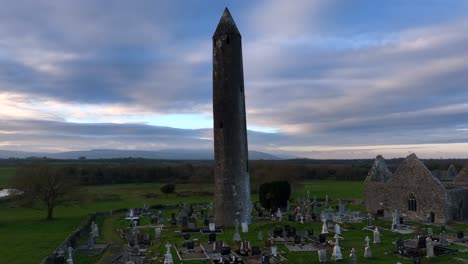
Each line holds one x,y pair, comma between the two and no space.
168,188
275,194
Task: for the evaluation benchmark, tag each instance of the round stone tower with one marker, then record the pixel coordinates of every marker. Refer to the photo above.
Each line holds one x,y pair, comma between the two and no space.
232,181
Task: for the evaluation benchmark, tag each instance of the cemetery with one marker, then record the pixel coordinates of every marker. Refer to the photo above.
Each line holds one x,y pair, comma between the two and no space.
308,229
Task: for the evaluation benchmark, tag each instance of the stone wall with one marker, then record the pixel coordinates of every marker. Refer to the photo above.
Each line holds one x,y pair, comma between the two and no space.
375,197
457,206
411,179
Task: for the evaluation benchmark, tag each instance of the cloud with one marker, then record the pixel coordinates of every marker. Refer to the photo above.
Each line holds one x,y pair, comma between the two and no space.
321,74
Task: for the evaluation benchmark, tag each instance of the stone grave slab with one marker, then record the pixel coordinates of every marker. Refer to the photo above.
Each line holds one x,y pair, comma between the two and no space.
196,254
301,248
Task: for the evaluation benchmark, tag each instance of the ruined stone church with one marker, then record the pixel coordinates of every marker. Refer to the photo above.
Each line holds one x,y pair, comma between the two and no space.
416,193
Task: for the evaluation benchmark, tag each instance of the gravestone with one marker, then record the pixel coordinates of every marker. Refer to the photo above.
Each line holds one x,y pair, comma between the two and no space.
337,229
297,239
395,220
245,227
367,251
184,221
337,249
157,233
173,219
191,225
421,242
324,228
369,220
244,248
400,246
443,238
256,251
322,255
211,238
91,243
376,235
260,235
265,258
225,251
218,246
168,257
70,255
236,237
322,238
279,215
353,257
460,235
212,227
274,251
429,247
190,246
430,232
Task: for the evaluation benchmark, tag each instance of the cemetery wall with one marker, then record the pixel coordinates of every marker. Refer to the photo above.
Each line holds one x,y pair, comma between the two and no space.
81,231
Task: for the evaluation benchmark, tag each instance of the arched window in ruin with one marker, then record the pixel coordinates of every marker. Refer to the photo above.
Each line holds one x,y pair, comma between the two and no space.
412,206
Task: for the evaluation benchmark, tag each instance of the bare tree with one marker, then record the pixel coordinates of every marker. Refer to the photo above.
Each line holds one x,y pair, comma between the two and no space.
42,182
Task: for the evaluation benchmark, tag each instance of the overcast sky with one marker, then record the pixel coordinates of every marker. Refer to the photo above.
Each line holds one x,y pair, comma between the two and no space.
323,78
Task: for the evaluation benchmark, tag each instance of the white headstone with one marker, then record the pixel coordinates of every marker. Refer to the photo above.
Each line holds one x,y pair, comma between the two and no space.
245,227
70,256
376,235
157,232
279,215
367,251
324,228
274,250
322,255
337,249
212,227
429,247
168,257
94,230
353,257
395,221
337,229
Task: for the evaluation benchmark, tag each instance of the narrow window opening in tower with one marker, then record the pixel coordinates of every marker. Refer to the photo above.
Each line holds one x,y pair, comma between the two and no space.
227,40
221,125
242,88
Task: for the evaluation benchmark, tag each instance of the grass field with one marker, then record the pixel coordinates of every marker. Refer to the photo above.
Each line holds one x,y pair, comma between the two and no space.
5,176
27,238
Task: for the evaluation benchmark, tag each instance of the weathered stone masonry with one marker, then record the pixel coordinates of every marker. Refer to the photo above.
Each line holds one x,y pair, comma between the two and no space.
415,192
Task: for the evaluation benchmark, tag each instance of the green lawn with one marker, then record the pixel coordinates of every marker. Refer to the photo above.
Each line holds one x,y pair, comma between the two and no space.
27,238
5,176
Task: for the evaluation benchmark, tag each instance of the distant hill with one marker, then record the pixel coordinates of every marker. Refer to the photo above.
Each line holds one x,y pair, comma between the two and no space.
170,154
